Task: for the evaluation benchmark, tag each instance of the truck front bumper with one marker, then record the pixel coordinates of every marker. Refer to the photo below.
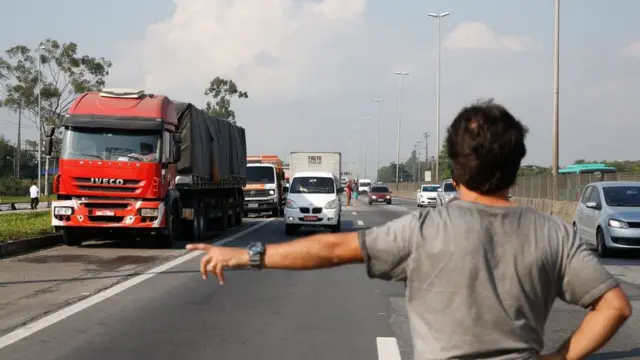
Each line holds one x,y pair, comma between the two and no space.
260,204
108,214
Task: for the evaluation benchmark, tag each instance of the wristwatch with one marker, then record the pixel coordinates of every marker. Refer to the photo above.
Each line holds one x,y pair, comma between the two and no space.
256,252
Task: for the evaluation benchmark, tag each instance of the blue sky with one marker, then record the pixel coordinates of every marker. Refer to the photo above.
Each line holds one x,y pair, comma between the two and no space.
313,67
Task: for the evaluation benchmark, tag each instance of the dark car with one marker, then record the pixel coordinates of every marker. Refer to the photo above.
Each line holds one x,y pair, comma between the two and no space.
379,194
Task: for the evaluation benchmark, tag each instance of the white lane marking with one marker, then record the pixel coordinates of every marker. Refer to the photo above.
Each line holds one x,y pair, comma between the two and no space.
360,222
47,321
354,213
388,348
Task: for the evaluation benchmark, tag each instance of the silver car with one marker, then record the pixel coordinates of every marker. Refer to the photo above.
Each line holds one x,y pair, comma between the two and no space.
608,216
447,192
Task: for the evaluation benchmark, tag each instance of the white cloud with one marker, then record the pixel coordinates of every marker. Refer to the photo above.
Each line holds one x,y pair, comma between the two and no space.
632,50
476,35
272,49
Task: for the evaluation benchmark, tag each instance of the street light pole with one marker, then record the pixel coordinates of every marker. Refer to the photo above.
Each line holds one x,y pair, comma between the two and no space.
556,99
39,124
366,136
378,101
438,17
401,74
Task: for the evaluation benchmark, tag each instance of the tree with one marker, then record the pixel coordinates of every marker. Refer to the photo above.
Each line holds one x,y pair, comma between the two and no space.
63,75
222,90
444,165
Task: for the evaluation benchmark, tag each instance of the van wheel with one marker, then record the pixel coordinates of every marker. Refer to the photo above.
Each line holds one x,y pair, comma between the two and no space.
290,229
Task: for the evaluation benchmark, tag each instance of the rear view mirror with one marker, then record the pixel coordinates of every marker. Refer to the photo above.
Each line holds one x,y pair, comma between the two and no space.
592,205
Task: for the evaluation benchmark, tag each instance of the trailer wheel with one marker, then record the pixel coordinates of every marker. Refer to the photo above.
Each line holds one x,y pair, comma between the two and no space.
71,237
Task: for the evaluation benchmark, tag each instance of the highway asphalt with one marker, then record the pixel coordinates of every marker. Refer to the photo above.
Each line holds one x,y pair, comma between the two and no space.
170,313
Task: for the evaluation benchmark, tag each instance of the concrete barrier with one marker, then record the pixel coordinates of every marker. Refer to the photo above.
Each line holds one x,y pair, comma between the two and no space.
566,210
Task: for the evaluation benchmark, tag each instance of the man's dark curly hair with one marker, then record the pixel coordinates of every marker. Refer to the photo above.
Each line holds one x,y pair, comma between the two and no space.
485,145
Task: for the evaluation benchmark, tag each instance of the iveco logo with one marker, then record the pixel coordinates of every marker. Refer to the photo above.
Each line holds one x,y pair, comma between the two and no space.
100,181
253,192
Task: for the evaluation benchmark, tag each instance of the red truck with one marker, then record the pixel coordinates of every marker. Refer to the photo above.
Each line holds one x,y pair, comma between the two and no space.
134,165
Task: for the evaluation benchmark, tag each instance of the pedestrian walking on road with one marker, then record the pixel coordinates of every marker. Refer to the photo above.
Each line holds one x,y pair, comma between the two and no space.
34,193
356,193
347,193
482,272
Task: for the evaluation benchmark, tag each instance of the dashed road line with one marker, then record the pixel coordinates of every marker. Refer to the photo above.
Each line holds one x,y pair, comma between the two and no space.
47,321
360,222
354,213
388,348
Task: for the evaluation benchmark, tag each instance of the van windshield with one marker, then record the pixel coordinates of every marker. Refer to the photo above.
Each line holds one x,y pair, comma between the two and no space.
260,175
312,185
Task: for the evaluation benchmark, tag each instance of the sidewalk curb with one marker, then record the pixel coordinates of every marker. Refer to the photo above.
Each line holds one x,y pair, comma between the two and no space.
18,247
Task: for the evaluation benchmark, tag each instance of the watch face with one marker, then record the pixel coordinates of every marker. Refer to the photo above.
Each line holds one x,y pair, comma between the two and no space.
255,248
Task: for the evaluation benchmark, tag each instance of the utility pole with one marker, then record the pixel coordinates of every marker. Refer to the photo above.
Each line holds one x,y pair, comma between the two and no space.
366,137
418,153
18,145
414,152
556,99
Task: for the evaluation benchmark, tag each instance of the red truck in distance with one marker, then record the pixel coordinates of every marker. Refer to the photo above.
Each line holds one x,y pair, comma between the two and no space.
134,165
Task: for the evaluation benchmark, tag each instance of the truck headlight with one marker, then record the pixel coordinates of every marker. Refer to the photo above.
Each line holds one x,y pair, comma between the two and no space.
149,212
271,192
62,211
333,204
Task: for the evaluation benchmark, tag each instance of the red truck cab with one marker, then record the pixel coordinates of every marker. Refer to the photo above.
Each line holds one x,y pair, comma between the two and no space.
117,165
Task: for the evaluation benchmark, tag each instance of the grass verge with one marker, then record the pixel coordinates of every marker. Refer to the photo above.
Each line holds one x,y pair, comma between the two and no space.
23,199
25,225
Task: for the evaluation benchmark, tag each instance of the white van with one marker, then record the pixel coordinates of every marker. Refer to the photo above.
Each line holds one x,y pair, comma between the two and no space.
364,185
313,201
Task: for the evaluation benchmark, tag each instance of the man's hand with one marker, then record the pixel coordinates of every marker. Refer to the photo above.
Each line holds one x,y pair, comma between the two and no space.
218,258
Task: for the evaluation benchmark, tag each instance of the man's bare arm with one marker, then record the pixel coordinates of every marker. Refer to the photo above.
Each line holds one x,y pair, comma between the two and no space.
314,252
606,316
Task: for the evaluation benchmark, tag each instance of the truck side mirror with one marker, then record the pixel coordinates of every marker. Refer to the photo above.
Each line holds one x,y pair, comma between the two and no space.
48,142
48,146
177,147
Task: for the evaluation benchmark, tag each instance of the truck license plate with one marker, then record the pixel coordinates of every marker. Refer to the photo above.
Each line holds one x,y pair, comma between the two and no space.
310,218
253,205
104,213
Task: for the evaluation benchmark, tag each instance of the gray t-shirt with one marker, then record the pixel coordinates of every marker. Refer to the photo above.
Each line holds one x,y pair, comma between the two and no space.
481,280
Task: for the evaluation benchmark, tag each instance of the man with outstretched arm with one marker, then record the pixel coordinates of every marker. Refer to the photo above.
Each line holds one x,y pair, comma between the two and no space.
482,272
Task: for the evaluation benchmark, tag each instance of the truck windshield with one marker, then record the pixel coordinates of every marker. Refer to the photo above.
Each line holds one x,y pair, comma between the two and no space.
260,175
312,185
108,144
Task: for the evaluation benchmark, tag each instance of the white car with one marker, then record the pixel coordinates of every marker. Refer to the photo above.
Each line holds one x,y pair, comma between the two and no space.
427,195
313,201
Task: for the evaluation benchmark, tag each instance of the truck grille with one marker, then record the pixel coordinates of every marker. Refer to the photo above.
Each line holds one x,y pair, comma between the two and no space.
129,186
256,193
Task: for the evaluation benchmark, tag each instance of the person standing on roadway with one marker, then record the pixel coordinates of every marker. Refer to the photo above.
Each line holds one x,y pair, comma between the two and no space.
347,192
34,193
482,272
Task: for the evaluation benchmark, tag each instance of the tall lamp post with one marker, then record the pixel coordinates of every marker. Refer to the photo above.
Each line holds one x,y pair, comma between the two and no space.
402,75
377,101
438,16
365,119
556,99
40,48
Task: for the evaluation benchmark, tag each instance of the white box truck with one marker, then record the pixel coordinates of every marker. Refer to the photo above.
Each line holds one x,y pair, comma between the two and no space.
315,161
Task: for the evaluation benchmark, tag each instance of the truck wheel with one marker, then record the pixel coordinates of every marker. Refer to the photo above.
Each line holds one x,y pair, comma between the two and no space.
71,237
238,214
172,236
